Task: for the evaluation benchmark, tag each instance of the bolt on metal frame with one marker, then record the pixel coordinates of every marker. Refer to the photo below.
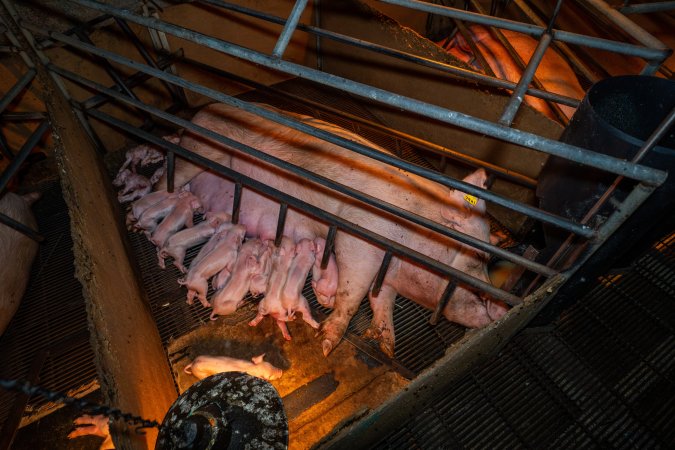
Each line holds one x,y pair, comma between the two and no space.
650,178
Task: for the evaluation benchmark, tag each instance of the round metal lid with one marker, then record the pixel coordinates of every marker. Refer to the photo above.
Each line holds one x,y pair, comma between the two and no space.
230,410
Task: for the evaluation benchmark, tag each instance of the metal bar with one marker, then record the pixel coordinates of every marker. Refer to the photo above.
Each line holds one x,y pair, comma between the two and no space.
519,93
16,89
644,8
381,273
330,243
426,62
23,116
21,228
477,243
443,301
132,81
236,204
563,47
615,165
13,421
4,147
170,170
289,28
656,49
22,154
176,92
320,214
281,222
474,48
504,173
317,23
86,26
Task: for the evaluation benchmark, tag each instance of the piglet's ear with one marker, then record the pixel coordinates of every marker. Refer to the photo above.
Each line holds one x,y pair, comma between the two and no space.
258,359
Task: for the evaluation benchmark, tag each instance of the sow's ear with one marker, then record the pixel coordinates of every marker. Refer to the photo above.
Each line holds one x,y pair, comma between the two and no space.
461,206
258,359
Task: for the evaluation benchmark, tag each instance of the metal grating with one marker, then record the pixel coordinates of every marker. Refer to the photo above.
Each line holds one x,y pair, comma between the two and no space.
52,316
602,376
418,343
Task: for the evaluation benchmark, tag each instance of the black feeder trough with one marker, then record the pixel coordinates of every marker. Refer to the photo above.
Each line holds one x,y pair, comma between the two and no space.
230,410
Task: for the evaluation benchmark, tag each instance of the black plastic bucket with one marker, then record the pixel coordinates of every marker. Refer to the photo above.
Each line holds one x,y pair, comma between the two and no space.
615,118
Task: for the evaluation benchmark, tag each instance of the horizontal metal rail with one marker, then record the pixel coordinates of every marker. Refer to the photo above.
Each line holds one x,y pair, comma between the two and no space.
372,201
502,172
530,211
644,8
656,50
549,146
483,79
320,214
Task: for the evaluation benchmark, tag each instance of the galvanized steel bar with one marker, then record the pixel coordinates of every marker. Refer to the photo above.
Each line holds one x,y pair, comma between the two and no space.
381,273
477,243
504,173
320,214
443,301
170,170
289,28
22,154
644,8
653,52
17,89
281,224
610,164
176,93
404,56
21,228
236,203
519,92
330,243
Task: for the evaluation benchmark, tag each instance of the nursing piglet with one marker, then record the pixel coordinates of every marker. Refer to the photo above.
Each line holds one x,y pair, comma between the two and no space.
181,216
204,366
324,281
222,256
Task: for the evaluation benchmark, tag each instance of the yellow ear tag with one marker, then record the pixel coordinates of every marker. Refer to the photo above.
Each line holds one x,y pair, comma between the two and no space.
470,199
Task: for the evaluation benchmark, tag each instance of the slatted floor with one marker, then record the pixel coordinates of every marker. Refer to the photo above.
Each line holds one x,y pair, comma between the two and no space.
603,376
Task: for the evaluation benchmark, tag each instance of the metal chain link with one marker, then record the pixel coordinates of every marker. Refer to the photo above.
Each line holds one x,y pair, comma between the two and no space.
81,405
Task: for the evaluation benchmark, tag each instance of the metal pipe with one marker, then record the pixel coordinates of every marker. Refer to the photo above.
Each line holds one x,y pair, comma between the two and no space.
600,161
644,8
176,93
504,173
170,170
4,147
445,298
23,116
519,93
477,243
404,56
320,214
289,28
21,228
236,203
330,243
653,52
22,154
317,23
563,47
381,273
281,223
16,89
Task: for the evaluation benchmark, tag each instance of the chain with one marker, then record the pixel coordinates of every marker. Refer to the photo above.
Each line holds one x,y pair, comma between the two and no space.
81,405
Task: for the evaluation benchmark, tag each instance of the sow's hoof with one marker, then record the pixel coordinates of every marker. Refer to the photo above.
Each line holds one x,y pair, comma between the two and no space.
385,338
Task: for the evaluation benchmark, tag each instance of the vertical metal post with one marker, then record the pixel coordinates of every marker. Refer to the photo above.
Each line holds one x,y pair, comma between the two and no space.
330,242
289,28
281,223
236,204
377,284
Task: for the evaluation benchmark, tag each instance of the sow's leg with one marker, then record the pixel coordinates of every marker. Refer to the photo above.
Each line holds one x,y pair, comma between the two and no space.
358,263
382,325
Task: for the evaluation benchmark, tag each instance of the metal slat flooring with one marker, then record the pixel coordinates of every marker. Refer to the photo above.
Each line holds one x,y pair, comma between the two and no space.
603,376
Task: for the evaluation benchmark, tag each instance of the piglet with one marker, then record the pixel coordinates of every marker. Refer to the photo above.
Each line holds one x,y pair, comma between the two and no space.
177,244
93,426
292,299
282,258
135,186
252,263
204,366
223,255
181,216
151,217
